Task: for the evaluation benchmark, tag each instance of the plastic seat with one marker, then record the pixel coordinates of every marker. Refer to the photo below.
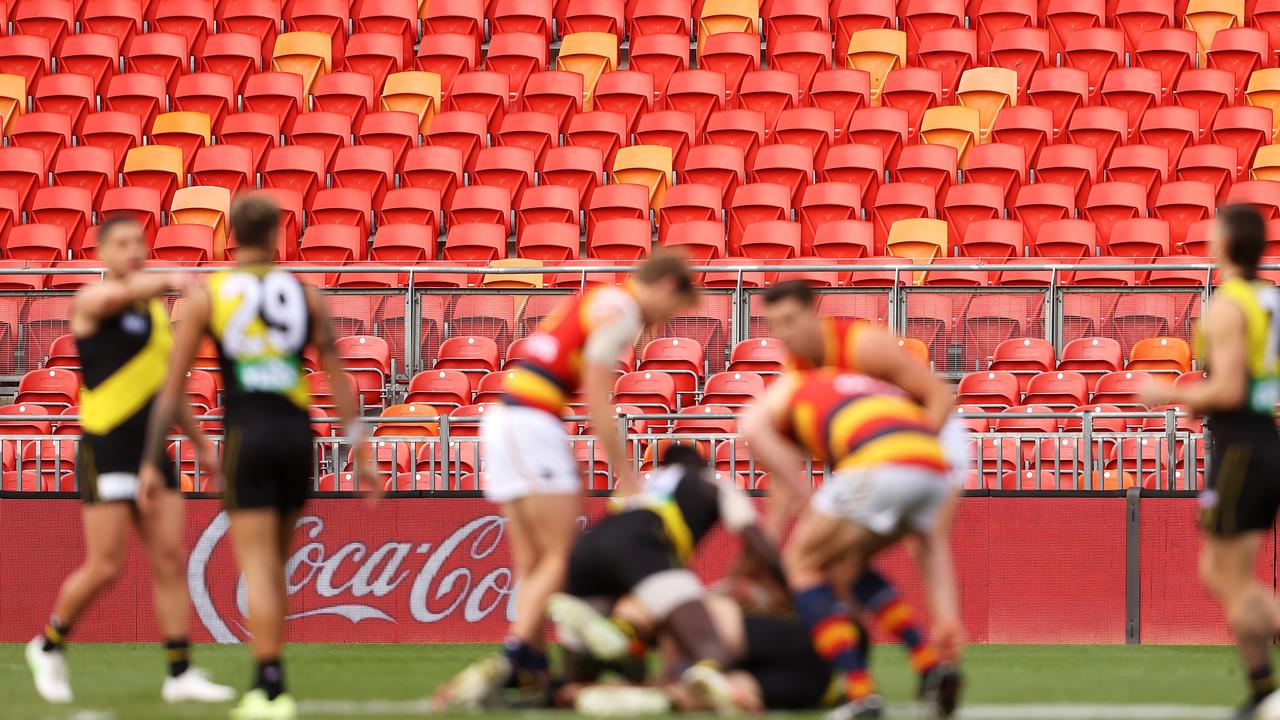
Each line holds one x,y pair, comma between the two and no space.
392,17
1240,51
1207,91
932,165
1000,164
308,54
53,20
590,54
623,200
652,391
236,55
647,165
64,93
394,130
990,19
1145,165
447,55
804,53
516,55
661,56
699,240
1111,202
955,127
721,166
1266,163
548,242
511,168
1244,128
135,93
1061,90
628,93
658,16
26,56
208,93
480,204
159,167
1263,195
1134,90
415,92
914,90
435,167
1263,90
1058,389
971,203
1206,19
208,206
900,201
142,203
769,92
719,16
553,92
275,93
950,52
183,244
68,207
699,92
1182,204
332,244
418,206
295,167
1066,238
1096,52
1160,355
1042,203
460,129
731,54
375,54
465,17
756,202
882,127
850,16
548,204
922,16
1101,128
507,16
1140,18
686,202
620,239
918,239
771,240
823,203
534,131
164,55
86,167
255,132
580,168
842,91
1065,18
588,16
1024,51
994,390
342,206
876,52
1213,164
988,90
995,239
39,244
193,21
1171,128
401,244
327,132
93,54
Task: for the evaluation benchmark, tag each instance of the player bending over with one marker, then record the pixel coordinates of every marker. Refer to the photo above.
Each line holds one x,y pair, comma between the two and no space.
529,461
122,333
261,319
888,481
641,551
1239,343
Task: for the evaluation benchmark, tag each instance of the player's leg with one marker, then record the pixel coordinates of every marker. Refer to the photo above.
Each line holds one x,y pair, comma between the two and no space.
1227,569
818,541
547,525
161,529
255,539
106,527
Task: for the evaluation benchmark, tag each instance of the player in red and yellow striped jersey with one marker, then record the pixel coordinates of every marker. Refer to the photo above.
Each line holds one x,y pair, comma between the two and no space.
529,462
887,481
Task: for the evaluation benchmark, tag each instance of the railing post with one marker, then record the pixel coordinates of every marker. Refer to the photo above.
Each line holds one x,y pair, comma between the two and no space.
1086,429
1133,567
442,455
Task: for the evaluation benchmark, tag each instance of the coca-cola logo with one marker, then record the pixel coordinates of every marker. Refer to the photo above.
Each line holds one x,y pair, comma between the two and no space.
462,577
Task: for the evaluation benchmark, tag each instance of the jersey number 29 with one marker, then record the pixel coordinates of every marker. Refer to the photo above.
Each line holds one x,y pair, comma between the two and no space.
279,301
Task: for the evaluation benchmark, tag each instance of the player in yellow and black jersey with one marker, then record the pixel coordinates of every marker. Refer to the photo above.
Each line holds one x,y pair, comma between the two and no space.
262,319
1239,344
122,333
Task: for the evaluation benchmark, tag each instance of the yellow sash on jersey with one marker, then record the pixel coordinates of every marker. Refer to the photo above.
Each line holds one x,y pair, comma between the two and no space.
220,312
129,388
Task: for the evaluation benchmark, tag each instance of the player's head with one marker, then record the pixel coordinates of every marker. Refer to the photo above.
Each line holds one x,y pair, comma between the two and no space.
682,454
122,248
664,286
1238,240
255,222
793,318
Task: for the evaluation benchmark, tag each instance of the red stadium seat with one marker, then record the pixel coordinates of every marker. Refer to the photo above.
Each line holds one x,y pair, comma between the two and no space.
275,93
236,55
1022,50
722,166
324,131
1096,51
743,129
733,54
1209,163
26,56
516,55
342,206
52,20
843,91
660,56
1206,91
601,130
900,201
294,167
700,240
434,167
1239,51
1244,128
804,53
93,54
480,204
932,165
459,129
882,127
1111,202
756,202
581,168
995,389
256,132
394,130
228,166
1140,18
620,239
85,167
770,92
1061,91
1172,128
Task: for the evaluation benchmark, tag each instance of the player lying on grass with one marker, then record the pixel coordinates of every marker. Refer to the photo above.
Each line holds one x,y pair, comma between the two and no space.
772,663
888,481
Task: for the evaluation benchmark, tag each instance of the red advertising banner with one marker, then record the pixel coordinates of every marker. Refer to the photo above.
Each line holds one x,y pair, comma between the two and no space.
1031,570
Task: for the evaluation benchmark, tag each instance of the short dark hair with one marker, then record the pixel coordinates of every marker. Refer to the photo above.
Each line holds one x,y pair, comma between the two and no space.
1246,236
667,265
797,290
255,219
678,453
115,222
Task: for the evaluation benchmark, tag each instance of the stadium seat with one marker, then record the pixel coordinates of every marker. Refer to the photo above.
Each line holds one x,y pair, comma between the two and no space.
1061,91
620,239
990,390
1160,355
1143,238
1096,51
160,167
184,244
86,167
434,167
1207,91
95,55
477,241
460,129
1024,51
877,51
699,240
1101,128
993,239
294,167
281,94
342,206
957,127
590,54
919,239
1026,126
186,131
970,203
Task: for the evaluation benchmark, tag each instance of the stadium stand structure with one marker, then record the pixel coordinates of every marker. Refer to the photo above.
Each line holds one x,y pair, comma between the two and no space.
1050,170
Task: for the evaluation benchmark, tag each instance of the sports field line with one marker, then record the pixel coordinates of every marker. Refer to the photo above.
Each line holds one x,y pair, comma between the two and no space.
374,708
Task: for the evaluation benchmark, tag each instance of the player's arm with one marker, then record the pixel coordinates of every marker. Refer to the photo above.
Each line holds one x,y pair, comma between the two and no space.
879,356
777,454
605,345
165,409
1224,337
111,297
344,395
740,517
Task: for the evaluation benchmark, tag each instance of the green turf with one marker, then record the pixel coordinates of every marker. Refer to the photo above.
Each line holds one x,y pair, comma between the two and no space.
124,680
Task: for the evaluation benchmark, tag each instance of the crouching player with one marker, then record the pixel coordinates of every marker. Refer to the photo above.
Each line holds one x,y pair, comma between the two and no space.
641,552
888,482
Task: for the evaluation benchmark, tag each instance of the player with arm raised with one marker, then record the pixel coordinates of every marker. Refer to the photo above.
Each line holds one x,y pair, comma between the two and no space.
122,332
261,319
888,482
529,461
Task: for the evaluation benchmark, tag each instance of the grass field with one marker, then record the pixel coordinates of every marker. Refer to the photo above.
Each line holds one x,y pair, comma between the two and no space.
118,682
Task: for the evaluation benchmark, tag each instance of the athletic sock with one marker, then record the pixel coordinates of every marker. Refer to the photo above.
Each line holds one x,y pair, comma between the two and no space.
895,617
1261,682
179,654
527,662
270,678
55,634
835,637
638,647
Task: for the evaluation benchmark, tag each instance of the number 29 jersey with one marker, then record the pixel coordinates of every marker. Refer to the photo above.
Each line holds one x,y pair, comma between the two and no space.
261,323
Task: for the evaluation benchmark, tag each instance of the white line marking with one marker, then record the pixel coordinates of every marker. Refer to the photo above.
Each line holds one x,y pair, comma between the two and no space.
375,708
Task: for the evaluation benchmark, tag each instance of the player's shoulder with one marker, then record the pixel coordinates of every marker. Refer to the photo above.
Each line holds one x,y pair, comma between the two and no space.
608,302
